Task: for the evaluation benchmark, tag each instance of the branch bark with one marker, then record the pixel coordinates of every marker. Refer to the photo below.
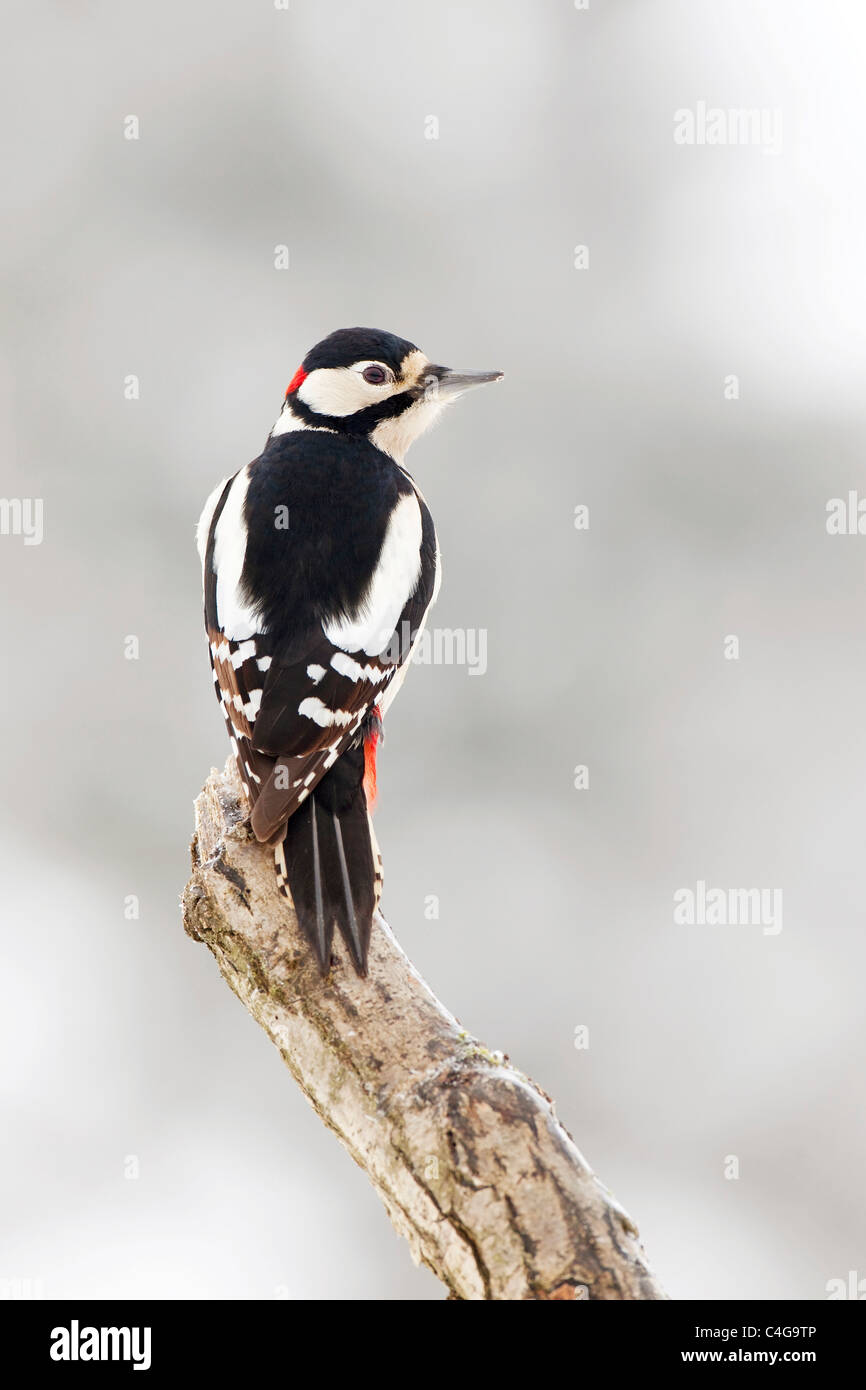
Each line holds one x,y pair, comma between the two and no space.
465,1151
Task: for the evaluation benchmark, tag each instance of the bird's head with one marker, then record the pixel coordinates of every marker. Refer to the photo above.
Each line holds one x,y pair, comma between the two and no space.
363,381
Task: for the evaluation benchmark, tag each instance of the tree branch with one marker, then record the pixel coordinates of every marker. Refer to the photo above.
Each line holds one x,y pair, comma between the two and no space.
466,1153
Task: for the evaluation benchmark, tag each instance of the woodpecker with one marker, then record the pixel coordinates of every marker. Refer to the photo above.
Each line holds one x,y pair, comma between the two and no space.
320,563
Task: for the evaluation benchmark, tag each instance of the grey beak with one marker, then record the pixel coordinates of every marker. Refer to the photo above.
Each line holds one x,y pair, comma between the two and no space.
450,383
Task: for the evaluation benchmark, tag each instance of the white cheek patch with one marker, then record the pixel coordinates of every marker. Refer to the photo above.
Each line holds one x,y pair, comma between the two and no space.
394,581
340,391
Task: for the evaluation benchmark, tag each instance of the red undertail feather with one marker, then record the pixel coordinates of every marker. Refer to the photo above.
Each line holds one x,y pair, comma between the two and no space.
371,745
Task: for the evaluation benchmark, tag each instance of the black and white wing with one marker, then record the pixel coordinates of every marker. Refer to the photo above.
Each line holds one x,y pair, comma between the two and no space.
295,700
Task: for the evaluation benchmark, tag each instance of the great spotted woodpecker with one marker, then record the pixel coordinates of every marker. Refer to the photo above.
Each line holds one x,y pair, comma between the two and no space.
320,563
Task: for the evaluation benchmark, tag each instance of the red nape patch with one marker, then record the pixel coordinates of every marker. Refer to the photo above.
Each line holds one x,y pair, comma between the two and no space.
299,377
371,743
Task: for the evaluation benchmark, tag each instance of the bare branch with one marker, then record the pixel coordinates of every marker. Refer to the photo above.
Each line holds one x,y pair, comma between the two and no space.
466,1153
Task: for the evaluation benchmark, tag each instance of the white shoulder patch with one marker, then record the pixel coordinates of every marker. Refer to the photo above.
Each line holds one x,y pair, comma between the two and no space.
437,580
394,581
202,531
236,617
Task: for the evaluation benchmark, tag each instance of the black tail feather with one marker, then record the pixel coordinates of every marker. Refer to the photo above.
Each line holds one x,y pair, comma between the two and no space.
322,941
326,863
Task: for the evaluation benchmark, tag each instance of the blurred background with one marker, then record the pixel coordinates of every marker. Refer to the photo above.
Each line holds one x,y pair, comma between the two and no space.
693,376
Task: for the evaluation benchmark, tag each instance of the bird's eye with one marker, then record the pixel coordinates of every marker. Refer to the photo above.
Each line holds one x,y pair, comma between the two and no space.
375,375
